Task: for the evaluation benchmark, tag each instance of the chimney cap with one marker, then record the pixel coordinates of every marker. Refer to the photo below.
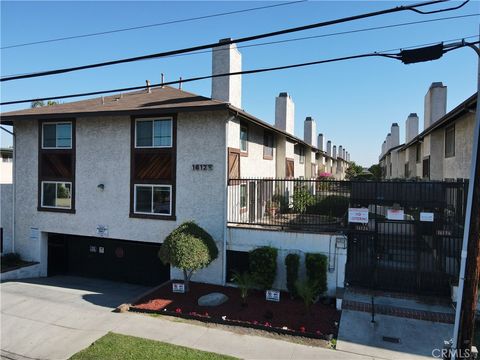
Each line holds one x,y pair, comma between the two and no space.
321,134
389,134
309,118
413,115
329,141
395,124
225,40
283,94
436,84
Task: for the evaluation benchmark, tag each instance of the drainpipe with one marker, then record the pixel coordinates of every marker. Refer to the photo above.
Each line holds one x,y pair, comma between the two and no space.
225,209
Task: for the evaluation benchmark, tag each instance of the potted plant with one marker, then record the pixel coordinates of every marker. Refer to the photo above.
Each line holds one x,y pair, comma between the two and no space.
272,208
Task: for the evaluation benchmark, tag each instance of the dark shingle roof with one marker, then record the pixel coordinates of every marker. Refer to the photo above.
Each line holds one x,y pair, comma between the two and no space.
138,102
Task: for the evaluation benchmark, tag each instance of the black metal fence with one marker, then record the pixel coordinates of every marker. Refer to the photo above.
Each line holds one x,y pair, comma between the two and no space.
410,240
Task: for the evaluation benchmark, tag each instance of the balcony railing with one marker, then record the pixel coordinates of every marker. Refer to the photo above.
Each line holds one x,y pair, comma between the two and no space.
322,205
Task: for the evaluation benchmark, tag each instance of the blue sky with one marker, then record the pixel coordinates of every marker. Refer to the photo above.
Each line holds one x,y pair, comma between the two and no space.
353,102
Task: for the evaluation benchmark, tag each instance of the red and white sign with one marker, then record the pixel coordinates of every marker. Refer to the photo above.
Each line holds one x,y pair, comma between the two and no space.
395,214
358,215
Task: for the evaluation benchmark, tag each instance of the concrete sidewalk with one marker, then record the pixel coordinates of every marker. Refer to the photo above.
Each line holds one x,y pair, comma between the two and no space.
51,320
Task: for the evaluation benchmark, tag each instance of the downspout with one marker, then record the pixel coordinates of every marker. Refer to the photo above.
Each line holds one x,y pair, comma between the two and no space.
225,209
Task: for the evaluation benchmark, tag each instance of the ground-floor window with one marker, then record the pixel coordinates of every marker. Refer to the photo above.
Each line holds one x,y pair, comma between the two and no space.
237,261
57,194
153,199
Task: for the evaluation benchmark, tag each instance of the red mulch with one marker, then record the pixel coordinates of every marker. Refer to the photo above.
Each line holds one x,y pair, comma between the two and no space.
287,312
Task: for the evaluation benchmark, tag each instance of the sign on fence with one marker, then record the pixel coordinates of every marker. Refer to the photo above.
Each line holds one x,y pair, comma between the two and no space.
272,295
358,215
395,214
178,288
426,216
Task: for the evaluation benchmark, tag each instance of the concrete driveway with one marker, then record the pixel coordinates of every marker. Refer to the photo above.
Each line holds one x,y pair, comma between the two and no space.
53,318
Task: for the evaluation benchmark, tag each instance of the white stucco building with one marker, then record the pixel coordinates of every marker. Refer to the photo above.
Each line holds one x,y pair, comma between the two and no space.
100,183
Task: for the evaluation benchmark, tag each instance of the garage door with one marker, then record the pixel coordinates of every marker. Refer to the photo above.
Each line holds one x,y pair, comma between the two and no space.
119,260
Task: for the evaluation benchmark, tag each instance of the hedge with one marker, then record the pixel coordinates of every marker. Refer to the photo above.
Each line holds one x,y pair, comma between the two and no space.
332,205
316,266
263,266
292,262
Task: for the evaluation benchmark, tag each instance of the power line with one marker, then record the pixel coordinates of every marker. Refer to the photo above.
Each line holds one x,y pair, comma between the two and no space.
321,36
239,40
383,53
151,25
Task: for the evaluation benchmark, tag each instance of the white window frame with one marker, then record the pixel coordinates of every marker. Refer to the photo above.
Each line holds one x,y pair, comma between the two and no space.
57,123
153,133
152,186
56,182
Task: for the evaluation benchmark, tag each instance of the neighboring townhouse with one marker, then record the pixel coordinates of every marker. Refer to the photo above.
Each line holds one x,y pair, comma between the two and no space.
442,151
100,183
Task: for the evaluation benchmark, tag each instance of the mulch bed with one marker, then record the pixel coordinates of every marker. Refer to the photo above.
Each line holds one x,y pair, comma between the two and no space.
320,322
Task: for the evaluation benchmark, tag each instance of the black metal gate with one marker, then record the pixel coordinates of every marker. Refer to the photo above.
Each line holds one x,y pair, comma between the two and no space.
412,242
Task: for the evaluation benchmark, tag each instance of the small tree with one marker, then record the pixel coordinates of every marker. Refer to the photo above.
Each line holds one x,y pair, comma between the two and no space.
190,248
244,281
302,198
307,290
316,266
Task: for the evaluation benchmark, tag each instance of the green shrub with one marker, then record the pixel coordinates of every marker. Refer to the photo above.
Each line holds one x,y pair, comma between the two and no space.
307,291
302,198
292,262
332,205
263,266
316,266
190,248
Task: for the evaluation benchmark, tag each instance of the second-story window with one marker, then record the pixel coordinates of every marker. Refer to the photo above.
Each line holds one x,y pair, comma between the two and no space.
267,145
153,133
301,152
57,135
419,153
450,141
243,138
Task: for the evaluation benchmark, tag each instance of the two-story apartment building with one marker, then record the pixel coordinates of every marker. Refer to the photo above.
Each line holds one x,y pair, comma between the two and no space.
101,182
442,151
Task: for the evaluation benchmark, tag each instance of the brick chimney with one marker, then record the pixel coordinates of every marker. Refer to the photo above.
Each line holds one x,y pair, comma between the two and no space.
226,59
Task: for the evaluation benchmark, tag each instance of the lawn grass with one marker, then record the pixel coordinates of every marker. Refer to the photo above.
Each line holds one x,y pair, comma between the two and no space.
116,346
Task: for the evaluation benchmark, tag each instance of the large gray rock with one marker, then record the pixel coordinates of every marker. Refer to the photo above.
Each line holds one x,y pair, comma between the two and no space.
213,299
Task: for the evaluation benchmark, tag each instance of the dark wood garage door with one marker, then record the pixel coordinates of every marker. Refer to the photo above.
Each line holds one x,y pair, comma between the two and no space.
119,260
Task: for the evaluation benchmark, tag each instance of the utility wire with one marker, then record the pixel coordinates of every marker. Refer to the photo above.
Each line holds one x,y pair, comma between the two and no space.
320,36
151,25
239,40
246,72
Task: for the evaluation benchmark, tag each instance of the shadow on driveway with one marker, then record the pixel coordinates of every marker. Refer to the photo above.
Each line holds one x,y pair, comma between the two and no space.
98,292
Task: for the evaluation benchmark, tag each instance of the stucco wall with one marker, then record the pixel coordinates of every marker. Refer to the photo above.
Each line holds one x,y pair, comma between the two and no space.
459,165
25,272
254,165
300,243
103,156
299,168
6,215
437,154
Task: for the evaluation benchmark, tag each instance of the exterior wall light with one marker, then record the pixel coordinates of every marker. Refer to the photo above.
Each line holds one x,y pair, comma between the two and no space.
100,187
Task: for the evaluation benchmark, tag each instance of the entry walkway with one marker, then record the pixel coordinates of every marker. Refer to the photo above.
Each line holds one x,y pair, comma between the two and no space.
400,331
56,317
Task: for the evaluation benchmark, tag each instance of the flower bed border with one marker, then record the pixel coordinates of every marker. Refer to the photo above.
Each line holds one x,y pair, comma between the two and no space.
230,322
